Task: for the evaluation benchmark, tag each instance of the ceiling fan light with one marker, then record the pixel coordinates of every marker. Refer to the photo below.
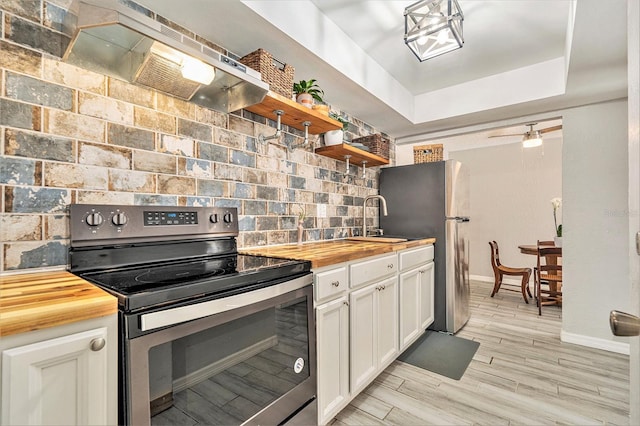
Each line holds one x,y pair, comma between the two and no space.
433,27
532,139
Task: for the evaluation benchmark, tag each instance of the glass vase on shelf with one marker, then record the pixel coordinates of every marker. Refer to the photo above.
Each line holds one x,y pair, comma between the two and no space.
302,214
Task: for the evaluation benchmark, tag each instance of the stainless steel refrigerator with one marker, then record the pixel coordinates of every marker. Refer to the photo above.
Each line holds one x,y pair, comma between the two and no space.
432,200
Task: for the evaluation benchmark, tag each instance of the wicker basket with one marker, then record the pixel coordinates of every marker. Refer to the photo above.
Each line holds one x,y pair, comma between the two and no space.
376,143
278,75
427,153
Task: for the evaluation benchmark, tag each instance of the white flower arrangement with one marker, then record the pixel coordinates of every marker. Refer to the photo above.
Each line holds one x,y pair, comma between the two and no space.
556,203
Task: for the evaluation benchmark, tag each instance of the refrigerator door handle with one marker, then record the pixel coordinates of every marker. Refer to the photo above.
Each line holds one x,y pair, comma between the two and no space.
459,219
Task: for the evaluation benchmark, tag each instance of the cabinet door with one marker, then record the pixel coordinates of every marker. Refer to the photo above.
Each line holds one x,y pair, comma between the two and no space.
387,322
364,344
410,312
426,295
57,381
332,325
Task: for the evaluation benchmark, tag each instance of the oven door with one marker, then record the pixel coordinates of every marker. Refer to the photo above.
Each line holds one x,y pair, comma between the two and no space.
246,359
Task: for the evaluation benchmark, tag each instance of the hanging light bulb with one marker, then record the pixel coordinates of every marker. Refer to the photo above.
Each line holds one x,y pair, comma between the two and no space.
443,37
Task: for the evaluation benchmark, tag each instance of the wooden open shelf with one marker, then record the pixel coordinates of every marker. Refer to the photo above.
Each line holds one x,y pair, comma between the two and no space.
294,114
338,152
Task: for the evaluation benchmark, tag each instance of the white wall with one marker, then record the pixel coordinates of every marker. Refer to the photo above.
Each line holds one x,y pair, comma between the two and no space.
595,243
511,189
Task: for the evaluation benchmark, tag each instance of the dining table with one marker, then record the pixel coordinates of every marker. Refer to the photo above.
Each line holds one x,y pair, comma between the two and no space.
532,249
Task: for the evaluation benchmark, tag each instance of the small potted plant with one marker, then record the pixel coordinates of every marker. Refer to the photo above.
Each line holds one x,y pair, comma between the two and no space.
335,137
306,91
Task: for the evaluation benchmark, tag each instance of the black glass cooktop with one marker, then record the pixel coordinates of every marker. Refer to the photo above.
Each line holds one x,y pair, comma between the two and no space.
152,285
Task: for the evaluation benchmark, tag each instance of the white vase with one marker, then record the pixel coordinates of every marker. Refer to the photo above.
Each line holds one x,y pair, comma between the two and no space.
557,241
305,99
333,137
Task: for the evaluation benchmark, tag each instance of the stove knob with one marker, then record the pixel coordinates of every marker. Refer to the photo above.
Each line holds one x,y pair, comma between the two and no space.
119,219
214,218
228,218
94,219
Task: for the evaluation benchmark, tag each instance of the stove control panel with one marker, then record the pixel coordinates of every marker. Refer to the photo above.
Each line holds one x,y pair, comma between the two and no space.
91,223
162,218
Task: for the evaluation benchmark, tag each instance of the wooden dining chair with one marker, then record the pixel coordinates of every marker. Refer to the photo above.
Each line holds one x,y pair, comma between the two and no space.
547,277
500,270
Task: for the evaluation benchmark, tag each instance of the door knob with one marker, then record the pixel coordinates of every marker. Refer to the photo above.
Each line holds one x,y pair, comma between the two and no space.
623,324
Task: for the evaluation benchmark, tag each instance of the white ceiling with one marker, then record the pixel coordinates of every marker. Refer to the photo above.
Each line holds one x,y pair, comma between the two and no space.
523,60
494,38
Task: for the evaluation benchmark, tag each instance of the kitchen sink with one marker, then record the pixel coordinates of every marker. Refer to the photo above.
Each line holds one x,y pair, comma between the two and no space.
385,238
380,239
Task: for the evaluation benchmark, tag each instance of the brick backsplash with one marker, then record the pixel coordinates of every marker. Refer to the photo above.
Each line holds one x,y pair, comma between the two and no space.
68,135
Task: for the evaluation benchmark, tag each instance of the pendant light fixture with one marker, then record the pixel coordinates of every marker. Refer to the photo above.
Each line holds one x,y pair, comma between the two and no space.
433,27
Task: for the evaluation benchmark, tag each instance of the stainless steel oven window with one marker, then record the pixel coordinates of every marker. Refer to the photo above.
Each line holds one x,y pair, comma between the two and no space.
254,364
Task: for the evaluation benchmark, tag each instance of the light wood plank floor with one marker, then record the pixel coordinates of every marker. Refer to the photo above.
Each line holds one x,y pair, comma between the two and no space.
521,374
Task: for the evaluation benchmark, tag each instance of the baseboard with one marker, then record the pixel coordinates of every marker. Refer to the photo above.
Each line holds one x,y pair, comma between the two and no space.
205,372
578,339
482,278
594,342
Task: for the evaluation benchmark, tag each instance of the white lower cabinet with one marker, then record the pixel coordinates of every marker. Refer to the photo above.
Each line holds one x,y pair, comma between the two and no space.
416,303
416,293
366,313
374,330
332,330
426,294
410,324
70,379
387,322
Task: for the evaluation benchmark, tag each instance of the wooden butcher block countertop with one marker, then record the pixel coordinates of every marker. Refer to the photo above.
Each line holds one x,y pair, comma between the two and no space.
40,300
325,253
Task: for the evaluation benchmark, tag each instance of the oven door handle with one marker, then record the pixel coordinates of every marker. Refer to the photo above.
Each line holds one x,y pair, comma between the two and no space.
174,316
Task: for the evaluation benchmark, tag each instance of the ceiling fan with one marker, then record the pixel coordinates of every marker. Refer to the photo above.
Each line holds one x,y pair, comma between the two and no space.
532,138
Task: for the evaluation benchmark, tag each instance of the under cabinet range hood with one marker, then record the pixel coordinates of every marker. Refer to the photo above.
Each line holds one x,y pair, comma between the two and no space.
113,39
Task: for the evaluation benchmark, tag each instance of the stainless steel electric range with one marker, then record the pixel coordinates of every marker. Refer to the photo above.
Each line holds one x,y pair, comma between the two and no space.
207,335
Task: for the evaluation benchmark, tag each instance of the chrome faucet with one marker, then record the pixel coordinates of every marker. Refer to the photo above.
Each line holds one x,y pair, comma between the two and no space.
383,205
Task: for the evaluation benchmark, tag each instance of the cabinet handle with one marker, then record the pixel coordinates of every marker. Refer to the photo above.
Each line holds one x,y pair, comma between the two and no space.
335,283
345,303
390,266
97,344
383,287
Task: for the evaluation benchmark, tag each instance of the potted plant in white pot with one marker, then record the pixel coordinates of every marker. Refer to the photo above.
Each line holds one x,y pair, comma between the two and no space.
306,91
335,137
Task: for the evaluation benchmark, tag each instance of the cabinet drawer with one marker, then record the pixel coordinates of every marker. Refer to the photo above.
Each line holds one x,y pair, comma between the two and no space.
374,269
415,257
330,283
